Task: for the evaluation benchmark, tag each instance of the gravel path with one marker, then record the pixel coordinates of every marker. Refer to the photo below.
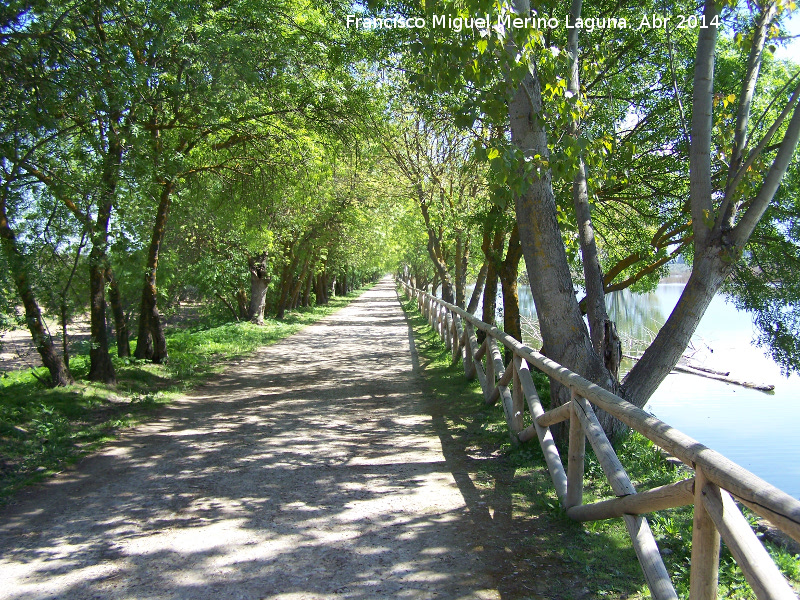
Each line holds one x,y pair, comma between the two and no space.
310,470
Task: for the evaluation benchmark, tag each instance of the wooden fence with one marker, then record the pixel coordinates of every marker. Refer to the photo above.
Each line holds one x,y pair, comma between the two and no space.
716,482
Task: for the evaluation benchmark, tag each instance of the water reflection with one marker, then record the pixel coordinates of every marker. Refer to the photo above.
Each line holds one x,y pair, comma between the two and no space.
638,316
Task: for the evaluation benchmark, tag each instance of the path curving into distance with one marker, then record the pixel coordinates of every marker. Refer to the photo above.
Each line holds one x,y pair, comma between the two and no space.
310,470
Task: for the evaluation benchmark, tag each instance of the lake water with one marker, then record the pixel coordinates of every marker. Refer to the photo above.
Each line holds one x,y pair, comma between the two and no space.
758,430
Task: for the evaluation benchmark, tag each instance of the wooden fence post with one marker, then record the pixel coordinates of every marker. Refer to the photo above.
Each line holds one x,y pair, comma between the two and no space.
470,372
491,379
704,576
759,569
429,310
575,458
457,334
517,400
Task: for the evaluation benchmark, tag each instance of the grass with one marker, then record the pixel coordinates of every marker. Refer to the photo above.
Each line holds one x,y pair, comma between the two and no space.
597,553
43,430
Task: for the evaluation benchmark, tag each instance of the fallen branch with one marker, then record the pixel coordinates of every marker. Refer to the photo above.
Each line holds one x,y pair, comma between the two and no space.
763,387
707,370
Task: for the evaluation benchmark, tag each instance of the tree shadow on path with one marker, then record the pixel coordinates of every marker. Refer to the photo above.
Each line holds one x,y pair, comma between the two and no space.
312,469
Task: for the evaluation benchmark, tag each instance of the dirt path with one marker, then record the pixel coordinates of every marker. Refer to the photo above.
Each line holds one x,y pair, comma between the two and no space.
18,352
310,470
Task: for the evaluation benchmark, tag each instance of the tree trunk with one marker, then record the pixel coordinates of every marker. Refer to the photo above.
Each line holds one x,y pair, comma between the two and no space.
150,326
462,262
307,289
708,273
564,333
280,309
490,287
509,269
242,303
602,330
286,283
100,366
228,305
298,284
481,282
478,290
144,343
319,289
64,307
59,373
325,287
259,282
64,332
258,299
593,275
120,322
435,252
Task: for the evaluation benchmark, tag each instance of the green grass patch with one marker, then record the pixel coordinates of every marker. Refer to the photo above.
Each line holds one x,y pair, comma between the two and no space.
598,554
42,430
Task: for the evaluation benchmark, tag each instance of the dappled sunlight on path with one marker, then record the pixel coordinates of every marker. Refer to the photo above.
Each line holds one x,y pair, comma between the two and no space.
310,470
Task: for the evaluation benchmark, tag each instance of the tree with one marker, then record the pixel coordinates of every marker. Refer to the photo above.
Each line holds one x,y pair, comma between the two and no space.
724,215
80,80
440,171
722,219
22,134
59,373
570,171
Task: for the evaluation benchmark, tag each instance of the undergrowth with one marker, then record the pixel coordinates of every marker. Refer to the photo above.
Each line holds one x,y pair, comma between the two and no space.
42,429
599,552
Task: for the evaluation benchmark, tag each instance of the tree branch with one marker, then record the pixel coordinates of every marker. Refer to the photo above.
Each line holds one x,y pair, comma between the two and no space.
741,233
702,120
762,145
728,210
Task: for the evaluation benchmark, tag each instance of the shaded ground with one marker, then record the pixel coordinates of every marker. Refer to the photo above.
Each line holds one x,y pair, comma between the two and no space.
317,468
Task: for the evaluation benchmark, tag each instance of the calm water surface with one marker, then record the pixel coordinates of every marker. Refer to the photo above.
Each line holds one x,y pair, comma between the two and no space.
758,430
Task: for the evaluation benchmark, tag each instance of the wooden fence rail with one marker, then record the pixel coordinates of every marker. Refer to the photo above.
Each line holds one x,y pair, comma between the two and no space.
712,490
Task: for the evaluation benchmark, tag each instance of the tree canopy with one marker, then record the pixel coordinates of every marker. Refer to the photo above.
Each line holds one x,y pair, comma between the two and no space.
259,155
